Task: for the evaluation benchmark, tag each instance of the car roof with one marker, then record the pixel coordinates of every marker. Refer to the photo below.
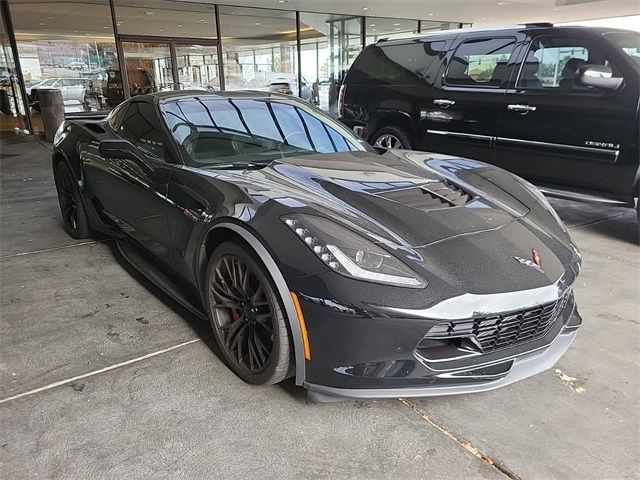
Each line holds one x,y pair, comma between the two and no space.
512,28
162,97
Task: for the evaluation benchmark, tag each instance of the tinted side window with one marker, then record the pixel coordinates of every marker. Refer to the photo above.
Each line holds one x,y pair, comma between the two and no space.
141,127
552,63
115,117
397,64
481,62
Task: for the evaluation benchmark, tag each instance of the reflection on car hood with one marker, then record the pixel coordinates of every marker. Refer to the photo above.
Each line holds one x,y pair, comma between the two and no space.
393,197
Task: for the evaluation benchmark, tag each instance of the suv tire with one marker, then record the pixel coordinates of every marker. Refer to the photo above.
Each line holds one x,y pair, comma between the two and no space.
393,138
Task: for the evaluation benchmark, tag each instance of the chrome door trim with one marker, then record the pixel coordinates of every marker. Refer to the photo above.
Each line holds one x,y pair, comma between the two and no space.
610,155
471,136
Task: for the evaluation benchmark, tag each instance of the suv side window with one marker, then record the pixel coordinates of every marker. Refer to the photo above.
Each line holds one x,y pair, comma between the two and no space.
552,62
400,64
480,63
140,125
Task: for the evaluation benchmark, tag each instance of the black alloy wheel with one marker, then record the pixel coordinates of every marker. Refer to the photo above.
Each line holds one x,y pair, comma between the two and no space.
74,216
246,316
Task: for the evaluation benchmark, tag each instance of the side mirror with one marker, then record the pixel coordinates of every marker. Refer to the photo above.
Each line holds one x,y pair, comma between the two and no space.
116,148
597,76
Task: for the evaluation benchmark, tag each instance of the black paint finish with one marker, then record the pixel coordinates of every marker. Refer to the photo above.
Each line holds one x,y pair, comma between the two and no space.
361,334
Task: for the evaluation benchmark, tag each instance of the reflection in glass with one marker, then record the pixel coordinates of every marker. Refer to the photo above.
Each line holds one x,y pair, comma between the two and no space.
260,50
69,46
11,107
197,67
390,28
330,44
148,67
235,132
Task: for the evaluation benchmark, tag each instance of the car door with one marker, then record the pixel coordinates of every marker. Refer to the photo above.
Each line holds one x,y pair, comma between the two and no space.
463,117
133,194
556,132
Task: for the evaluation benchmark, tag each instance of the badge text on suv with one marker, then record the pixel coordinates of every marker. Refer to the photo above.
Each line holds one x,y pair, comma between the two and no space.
558,106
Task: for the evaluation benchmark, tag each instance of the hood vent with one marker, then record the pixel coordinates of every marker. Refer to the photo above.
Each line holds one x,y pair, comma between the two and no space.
429,197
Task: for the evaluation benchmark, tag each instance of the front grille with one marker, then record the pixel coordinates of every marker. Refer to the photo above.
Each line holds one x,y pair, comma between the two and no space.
501,331
429,196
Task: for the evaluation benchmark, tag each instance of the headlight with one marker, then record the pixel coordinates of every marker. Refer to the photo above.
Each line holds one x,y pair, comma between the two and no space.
60,134
349,254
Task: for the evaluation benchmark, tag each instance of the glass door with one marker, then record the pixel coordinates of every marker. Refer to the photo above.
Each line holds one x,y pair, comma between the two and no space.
149,66
197,66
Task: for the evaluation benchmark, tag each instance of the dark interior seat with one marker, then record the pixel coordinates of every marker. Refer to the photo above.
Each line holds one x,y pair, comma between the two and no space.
529,77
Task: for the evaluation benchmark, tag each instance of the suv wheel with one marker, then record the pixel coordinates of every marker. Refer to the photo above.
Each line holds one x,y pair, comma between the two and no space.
392,137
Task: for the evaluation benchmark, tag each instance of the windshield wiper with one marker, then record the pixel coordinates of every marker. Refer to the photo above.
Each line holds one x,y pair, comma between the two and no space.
239,166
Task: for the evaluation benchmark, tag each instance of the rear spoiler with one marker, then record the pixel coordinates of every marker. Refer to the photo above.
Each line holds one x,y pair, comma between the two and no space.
86,115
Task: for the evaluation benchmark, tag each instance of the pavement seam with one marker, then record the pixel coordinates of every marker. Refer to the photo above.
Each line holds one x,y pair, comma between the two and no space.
45,250
102,370
475,451
591,222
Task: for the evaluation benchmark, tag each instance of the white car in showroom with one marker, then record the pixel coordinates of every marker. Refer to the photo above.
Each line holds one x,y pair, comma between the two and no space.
73,90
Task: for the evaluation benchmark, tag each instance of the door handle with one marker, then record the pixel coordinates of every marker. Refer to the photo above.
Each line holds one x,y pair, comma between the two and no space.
521,108
443,102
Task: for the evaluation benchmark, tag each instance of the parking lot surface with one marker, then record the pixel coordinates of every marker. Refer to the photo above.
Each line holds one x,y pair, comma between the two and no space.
101,375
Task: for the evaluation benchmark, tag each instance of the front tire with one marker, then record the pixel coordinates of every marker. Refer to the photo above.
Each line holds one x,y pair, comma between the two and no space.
392,138
247,316
74,216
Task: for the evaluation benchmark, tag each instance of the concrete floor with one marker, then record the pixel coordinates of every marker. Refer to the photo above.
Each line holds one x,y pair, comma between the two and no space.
102,376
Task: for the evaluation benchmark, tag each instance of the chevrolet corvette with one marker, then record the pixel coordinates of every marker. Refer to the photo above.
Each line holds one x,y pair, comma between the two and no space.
360,272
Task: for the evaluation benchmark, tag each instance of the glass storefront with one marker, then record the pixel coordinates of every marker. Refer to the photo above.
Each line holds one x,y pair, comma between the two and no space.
69,46
79,48
329,45
11,105
260,50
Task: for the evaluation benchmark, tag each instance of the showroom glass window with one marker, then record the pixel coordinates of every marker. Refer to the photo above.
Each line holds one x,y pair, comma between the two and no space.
330,44
552,63
399,64
390,28
71,44
480,63
11,104
260,49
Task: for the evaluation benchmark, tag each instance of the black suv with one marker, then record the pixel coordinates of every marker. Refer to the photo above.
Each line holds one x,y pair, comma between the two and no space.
556,105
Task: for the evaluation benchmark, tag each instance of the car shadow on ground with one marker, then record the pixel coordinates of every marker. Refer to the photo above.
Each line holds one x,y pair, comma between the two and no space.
199,325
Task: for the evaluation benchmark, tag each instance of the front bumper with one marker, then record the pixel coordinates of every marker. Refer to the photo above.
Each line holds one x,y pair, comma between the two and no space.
367,354
522,367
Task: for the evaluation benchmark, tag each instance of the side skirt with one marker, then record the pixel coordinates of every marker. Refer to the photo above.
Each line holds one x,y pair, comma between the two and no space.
154,274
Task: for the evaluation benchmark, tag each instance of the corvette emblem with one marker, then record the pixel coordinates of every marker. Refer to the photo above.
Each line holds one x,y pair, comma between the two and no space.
536,263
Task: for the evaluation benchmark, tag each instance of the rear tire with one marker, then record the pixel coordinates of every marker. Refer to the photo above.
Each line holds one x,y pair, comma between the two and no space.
247,316
74,216
392,138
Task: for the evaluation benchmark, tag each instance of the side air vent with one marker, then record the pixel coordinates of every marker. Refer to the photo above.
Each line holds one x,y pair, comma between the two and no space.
430,196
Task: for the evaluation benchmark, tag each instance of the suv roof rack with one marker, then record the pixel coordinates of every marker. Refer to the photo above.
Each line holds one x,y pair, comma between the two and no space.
538,24
382,39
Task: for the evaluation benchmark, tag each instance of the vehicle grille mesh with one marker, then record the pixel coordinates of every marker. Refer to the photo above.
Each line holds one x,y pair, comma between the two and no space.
430,196
502,331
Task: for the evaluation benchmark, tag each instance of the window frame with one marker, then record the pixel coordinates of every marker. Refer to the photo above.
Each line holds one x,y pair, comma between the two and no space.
514,50
163,158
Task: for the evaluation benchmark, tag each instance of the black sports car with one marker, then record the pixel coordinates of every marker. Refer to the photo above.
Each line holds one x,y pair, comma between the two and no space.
360,272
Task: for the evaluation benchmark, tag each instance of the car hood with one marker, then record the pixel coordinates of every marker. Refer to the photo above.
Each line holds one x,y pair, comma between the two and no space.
491,229
390,196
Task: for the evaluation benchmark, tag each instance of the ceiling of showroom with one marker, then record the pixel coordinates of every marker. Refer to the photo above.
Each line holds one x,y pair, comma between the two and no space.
478,12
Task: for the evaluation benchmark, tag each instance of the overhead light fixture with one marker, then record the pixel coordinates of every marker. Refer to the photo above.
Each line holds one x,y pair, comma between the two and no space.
431,14
396,24
257,23
366,8
283,1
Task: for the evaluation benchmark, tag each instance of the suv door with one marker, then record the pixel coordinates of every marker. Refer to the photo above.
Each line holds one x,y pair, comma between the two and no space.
556,132
463,117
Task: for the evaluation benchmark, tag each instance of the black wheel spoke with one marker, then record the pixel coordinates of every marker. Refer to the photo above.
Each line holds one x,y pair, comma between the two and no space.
243,313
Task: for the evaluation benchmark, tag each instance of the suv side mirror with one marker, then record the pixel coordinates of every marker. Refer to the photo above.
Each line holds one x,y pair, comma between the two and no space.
598,76
117,148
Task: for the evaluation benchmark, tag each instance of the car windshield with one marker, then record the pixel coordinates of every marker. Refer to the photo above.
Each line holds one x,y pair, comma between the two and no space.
234,132
629,42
